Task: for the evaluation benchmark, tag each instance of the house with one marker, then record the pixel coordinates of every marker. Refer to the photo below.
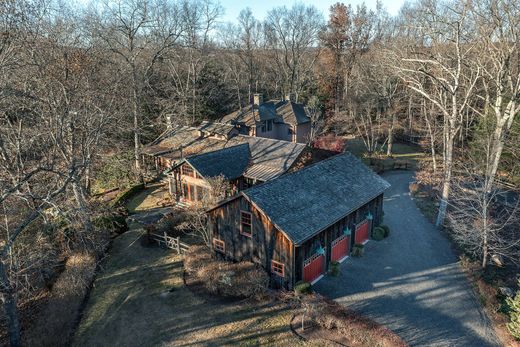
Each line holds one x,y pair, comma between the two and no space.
176,143
275,119
243,162
298,223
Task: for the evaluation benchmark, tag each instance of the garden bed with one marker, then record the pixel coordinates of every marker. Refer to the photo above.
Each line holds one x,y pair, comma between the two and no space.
331,322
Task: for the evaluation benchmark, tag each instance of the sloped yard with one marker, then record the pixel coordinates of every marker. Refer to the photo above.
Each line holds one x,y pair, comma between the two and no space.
139,299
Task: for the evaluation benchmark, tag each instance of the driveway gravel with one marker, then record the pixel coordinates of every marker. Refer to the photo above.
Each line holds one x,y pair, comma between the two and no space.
412,281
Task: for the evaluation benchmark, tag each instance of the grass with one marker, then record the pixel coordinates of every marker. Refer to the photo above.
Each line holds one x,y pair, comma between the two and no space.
149,198
400,152
140,299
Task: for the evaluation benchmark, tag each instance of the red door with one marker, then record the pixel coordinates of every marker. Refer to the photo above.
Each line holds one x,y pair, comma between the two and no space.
340,248
313,267
361,234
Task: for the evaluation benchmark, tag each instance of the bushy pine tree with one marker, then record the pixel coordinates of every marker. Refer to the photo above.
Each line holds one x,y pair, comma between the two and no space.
514,305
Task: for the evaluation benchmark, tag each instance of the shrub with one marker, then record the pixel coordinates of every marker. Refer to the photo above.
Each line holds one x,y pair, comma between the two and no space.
334,268
414,187
331,315
196,257
378,234
514,313
172,224
358,249
112,222
386,228
302,287
241,279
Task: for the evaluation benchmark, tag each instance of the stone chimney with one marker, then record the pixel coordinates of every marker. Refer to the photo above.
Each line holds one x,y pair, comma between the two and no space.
289,97
258,99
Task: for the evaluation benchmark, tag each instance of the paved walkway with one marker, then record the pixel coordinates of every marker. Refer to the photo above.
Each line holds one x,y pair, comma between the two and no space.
411,282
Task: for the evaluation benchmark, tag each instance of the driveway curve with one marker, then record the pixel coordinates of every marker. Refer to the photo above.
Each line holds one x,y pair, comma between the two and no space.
412,281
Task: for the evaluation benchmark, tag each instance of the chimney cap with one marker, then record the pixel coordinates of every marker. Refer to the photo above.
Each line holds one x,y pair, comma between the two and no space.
258,98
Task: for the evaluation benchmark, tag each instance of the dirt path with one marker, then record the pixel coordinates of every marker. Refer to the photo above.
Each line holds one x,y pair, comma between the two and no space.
412,281
139,299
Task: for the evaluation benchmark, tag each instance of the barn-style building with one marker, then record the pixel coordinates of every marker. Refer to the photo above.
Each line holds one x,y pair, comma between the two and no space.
254,160
298,223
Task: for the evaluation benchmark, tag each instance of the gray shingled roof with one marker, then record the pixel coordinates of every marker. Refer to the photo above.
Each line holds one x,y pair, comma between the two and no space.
277,110
270,158
229,162
216,128
306,202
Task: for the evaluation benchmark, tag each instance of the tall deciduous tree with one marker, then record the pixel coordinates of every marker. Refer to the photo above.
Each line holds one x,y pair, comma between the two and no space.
437,70
292,38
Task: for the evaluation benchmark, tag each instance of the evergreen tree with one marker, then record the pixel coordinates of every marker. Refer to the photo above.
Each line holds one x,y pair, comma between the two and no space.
514,305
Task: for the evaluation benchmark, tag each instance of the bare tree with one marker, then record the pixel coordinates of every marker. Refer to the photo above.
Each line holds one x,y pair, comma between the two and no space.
292,38
139,32
437,71
479,218
498,25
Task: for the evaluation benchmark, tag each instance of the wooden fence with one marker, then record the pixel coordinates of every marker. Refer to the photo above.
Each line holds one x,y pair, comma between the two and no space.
170,242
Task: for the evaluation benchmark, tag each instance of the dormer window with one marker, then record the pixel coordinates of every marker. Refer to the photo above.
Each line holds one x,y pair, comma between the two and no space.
267,125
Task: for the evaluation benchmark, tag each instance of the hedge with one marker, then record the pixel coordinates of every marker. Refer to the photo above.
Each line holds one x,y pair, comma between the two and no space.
302,287
357,250
378,234
386,228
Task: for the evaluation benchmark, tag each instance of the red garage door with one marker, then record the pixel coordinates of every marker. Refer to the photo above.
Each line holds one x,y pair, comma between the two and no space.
361,232
313,267
340,248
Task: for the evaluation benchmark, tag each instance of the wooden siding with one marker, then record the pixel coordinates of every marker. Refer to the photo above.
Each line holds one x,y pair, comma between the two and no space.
268,243
178,180
265,244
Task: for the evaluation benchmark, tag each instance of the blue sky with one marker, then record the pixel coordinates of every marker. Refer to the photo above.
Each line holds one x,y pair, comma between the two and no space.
261,7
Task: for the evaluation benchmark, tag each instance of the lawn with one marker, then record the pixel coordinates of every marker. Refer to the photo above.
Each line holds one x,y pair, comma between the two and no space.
139,299
151,197
401,152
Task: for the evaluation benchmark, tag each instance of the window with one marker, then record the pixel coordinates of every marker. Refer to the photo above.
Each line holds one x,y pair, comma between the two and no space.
200,193
267,125
245,223
219,246
187,170
185,191
277,268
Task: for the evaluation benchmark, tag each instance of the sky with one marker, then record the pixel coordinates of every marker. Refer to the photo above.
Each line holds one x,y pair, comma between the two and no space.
261,7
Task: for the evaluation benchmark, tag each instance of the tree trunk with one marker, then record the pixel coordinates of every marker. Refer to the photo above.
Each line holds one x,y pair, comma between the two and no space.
497,146
485,247
432,136
448,164
137,143
390,136
11,312
82,206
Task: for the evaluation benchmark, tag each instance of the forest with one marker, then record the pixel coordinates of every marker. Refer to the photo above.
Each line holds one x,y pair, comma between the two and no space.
83,88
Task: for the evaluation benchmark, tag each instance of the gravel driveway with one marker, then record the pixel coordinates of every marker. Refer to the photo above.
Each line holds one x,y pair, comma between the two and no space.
411,282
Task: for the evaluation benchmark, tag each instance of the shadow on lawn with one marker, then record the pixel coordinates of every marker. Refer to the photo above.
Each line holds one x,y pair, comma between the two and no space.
140,300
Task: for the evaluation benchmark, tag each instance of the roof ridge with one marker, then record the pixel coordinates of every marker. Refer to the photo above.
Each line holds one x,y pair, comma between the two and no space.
269,139
312,165
217,150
